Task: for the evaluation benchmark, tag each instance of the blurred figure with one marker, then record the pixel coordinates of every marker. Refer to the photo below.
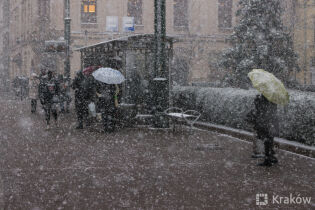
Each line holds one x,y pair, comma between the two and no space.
33,92
24,84
263,117
67,95
16,87
107,104
84,94
49,96
42,79
62,97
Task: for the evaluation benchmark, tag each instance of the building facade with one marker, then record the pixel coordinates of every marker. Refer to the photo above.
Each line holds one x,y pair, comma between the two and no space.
304,40
4,49
200,29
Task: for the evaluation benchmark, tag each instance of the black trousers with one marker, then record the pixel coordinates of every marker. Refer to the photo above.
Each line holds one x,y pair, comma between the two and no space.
108,118
108,111
33,105
50,108
82,112
268,142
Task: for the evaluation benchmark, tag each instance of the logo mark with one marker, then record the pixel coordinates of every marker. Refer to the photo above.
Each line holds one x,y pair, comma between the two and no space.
261,199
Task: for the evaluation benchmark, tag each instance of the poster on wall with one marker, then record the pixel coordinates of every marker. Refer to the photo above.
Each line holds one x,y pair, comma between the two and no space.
112,23
128,24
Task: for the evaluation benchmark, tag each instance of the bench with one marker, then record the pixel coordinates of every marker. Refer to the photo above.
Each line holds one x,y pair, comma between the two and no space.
177,115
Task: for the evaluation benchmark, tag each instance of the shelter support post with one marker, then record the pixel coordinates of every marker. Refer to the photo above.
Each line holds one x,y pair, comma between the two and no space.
160,83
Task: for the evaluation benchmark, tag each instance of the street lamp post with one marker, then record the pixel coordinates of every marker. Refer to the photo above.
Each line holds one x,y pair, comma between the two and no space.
67,38
160,82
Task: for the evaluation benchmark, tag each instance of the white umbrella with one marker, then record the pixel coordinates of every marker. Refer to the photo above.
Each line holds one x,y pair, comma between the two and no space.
109,76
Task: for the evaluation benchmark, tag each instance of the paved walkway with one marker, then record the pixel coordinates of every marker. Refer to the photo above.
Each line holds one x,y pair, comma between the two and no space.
136,168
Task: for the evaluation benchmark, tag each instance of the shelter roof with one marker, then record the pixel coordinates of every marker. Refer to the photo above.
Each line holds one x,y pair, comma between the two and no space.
144,38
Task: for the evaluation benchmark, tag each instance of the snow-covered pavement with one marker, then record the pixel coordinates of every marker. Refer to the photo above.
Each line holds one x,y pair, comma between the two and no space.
136,168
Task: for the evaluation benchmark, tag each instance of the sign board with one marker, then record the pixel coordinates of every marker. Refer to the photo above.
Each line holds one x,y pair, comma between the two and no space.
128,24
112,23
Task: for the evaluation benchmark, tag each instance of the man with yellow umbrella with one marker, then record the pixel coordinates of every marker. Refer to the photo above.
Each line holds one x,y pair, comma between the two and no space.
263,117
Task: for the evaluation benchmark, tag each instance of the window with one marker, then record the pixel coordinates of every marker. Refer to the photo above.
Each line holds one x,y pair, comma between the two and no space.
135,10
88,11
225,14
42,8
180,14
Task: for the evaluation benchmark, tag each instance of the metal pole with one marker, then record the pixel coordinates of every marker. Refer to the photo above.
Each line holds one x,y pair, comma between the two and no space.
67,38
305,41
160,92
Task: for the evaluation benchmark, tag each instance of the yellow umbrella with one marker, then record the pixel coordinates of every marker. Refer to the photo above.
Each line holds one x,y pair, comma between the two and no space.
270,86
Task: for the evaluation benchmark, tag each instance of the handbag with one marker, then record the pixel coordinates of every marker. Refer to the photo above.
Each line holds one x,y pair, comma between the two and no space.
55,99
92,109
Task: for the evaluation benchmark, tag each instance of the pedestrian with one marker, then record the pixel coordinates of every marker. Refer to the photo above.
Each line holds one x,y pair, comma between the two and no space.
62,97
42,79
16,87
49,96
107,104
33,92
264,119
83,87
67,96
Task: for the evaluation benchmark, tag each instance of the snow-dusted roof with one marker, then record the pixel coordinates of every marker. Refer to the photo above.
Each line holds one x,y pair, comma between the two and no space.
123,39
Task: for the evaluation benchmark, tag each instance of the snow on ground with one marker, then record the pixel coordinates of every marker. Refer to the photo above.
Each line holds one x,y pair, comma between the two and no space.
136,168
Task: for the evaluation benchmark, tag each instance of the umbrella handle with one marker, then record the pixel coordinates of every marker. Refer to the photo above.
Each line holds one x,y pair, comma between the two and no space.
116,102
117,89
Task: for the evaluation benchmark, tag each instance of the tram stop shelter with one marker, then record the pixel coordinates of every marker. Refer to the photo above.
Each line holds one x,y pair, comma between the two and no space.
133,56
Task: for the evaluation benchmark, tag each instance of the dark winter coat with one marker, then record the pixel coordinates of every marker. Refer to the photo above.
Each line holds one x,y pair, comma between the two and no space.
84,88
48,90
263,116
106,96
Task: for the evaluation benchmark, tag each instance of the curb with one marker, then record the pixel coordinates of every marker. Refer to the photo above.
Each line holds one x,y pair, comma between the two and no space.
248,136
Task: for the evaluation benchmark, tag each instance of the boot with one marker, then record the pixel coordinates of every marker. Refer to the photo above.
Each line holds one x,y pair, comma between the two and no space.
268,156
267,162
273,159
80,126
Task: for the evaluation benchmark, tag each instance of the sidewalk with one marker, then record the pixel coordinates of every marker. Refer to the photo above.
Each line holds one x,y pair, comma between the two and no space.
283,144
64,168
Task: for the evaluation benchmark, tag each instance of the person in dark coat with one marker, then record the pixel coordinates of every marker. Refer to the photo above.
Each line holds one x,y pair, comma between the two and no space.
49,97
107,104
67,84
263,117
62,93
84,93
33,91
